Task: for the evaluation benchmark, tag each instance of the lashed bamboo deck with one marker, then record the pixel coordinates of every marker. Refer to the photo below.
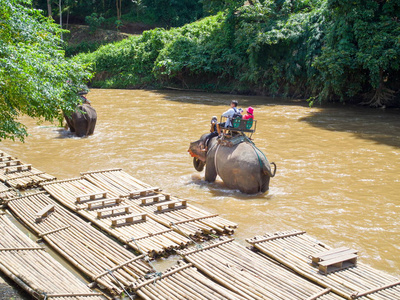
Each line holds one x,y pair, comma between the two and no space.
186,219
30,266
294,248
93,253
19,175
183,281
251,276
147,235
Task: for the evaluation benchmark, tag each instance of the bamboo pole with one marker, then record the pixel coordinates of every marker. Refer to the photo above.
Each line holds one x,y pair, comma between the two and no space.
32,269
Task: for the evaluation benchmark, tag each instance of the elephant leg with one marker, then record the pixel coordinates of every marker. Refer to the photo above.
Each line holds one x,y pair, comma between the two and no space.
265,183
69,123
92,125
81,129
211,172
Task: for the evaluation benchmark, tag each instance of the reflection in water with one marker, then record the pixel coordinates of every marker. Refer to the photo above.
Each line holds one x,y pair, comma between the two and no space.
338,168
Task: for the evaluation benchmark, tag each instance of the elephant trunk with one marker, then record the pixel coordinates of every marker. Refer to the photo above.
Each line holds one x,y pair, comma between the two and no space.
195,150
267,171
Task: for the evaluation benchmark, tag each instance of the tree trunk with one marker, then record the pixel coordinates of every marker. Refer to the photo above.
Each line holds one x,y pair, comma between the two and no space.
60,7
119,5
49,8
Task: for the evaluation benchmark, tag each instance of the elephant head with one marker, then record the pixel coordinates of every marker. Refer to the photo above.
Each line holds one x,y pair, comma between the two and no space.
196,151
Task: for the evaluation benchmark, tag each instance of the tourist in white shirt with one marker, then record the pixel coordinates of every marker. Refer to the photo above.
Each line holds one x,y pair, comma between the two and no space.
230,113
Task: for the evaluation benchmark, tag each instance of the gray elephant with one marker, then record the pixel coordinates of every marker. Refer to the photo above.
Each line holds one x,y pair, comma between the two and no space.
82,120
240,166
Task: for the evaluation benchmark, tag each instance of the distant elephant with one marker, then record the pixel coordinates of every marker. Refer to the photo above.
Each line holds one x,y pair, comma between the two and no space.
241,166
83,120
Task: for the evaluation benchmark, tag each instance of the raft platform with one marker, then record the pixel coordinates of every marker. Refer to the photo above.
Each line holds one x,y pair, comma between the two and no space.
34,270
101,259
182,281
129,224
171,211
251,276
19,175
302,253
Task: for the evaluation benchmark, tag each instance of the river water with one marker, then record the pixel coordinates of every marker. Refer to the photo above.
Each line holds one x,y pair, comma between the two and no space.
338,167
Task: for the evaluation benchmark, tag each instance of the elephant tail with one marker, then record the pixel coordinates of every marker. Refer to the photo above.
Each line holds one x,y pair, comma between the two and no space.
267,171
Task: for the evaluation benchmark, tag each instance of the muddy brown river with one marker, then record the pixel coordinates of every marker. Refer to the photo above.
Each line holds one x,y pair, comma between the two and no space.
338,167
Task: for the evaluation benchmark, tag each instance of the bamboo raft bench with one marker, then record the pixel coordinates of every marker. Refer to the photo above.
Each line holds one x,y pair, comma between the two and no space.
182,281
249,275
112,214
103,260
170,211
335,269
34,270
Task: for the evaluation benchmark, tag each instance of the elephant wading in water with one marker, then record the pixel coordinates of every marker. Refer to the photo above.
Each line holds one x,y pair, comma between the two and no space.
82,120
241,166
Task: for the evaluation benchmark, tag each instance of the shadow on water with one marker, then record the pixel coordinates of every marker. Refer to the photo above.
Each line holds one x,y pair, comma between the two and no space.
213,99
381,126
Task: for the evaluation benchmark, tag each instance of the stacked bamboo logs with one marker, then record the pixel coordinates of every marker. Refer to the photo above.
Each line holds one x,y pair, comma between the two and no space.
6,192
189,220
182,281
103,260
146,236
249,275
19,175
35,270
294,249
24,178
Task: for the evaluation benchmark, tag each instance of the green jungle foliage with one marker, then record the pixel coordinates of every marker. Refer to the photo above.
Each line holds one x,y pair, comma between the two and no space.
319,49
162,12
35,78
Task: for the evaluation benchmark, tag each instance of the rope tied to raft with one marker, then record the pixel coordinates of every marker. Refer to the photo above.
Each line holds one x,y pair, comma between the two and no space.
156,273
119,283
198,246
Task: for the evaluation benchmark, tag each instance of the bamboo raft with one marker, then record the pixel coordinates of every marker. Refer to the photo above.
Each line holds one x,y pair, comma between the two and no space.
19,175
170,211
249,275
34,270
184,282
295,249
101,259
101,208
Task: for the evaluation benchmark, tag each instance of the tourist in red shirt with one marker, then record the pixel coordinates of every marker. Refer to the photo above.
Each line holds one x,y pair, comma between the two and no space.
249,114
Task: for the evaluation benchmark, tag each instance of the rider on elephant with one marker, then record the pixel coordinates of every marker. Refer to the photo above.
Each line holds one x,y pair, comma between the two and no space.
230,114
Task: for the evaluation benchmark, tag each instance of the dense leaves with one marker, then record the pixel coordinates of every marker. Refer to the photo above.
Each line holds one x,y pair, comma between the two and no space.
318,49
35,78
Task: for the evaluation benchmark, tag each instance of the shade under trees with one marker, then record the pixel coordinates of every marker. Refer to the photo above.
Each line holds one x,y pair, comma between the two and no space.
35,78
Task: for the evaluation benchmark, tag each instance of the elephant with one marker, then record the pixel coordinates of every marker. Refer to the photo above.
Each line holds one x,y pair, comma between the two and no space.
242,166
82,120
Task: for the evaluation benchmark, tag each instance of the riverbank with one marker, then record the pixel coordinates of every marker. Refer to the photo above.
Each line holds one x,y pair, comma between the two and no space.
279,52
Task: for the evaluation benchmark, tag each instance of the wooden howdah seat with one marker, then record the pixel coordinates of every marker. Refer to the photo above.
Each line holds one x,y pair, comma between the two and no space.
241,126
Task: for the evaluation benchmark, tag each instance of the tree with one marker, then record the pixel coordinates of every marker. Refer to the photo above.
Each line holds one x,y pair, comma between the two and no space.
35,78
362,50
